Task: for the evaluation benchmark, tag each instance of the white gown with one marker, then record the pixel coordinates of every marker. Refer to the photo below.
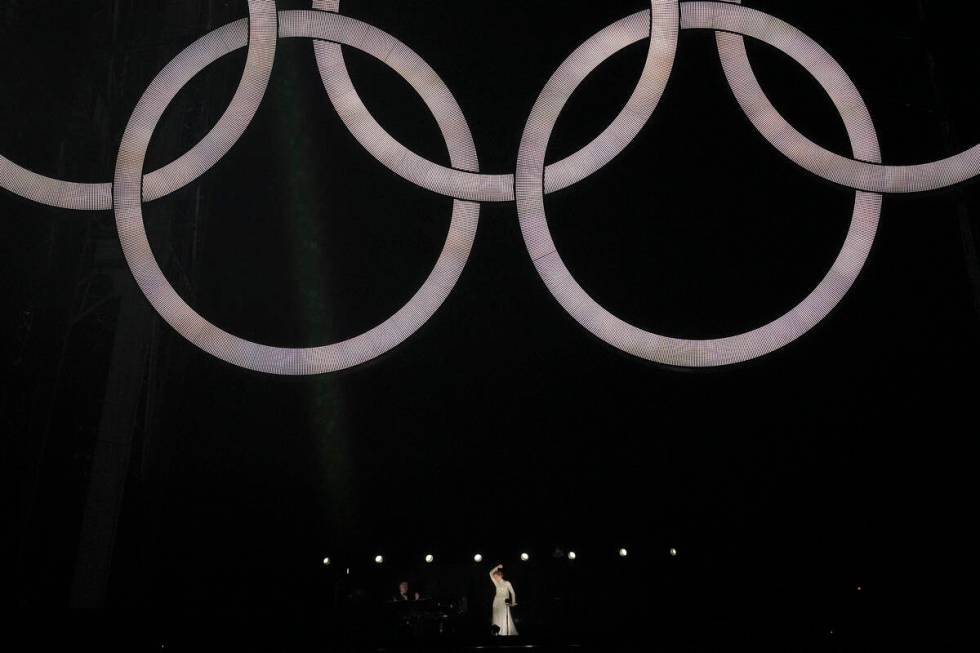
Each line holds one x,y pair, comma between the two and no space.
501,611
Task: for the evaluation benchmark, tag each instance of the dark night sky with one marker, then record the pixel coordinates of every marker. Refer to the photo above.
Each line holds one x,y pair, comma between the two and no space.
846,458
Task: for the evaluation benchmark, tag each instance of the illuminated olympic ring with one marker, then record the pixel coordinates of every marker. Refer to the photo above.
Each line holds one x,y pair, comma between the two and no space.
720,351
463,182
259,32
460,184
869,175
287,360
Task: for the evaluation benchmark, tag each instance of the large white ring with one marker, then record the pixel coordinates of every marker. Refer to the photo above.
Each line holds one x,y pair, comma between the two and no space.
661,21
233,349
869,175
260,30
687,352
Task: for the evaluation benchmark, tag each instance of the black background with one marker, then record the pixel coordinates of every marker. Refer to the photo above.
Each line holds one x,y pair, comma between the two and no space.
844,460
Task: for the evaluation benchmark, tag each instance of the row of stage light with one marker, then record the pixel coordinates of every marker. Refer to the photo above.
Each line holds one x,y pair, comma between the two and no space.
478,557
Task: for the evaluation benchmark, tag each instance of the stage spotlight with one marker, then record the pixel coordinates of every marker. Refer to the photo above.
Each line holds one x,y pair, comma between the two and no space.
326,561
379,559
429,558
571,555
623,553
525,557
673,551
477,558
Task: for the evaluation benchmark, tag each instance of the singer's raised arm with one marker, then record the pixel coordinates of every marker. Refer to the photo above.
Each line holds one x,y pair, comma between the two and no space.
493,571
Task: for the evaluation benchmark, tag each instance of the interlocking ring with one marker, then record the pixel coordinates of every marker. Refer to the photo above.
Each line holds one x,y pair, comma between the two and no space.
461,184
680,351
462,181
284,360
260,31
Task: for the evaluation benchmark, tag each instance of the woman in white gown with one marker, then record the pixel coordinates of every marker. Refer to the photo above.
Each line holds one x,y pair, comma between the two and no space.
502,600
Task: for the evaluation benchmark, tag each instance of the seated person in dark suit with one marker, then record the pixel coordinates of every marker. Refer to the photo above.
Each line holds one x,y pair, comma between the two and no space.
403,593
